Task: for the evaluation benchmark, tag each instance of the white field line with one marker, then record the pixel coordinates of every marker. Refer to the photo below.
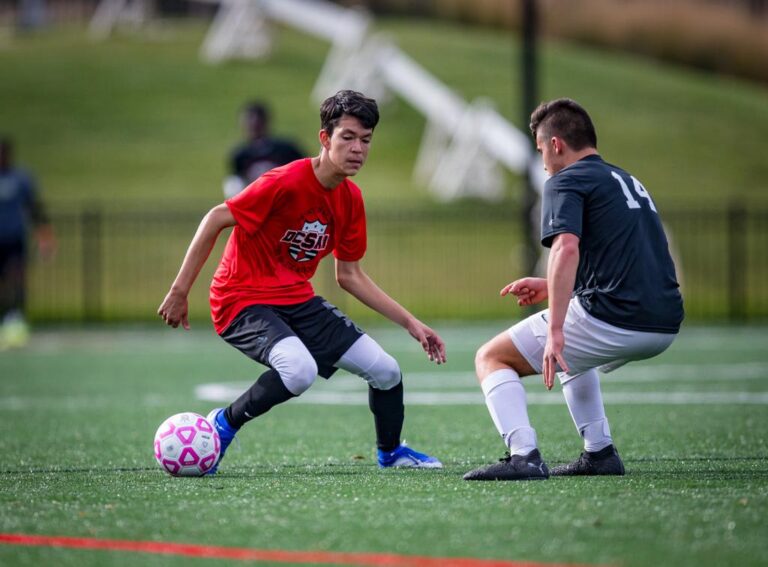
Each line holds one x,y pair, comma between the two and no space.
460,388
693,373
225,393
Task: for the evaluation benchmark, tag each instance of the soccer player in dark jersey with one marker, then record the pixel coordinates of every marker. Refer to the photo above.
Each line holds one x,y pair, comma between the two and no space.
21,209
263,304
260,152
613,298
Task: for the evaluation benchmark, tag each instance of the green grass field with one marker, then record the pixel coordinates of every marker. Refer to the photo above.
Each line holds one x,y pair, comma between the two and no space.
80,408
139,120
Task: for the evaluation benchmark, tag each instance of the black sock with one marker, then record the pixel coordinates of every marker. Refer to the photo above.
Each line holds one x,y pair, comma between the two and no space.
388,415
266,393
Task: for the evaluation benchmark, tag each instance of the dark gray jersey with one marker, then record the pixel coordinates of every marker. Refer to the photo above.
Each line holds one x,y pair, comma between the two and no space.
626,276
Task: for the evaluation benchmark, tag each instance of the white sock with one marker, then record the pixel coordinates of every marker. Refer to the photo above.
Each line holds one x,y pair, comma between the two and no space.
585,402
506,401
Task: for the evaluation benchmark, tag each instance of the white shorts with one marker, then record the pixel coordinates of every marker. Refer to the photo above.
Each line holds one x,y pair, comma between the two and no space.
589,342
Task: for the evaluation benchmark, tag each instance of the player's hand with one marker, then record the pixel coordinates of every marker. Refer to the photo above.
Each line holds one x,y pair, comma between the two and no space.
46,242
175,310
529,291
430,341
553,355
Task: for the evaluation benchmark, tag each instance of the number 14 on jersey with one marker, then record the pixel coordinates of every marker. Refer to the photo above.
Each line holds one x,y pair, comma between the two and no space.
633,203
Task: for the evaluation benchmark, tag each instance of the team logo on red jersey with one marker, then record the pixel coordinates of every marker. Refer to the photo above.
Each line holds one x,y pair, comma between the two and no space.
305,244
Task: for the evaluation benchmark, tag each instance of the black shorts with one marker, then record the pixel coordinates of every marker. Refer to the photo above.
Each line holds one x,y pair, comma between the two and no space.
12,256
323,328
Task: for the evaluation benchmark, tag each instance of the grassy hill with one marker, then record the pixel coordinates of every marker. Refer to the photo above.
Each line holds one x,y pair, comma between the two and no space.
139,123
140,117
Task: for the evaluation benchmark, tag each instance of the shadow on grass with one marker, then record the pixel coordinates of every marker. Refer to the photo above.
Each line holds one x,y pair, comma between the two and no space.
694,468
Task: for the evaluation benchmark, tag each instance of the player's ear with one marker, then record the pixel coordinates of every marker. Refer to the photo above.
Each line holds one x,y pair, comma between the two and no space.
325,139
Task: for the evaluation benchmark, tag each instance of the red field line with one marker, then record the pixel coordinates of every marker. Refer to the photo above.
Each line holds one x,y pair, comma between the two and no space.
256,555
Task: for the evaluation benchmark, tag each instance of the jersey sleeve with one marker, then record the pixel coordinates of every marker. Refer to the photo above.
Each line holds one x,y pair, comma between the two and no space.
31,199
253,204
351,245
562,207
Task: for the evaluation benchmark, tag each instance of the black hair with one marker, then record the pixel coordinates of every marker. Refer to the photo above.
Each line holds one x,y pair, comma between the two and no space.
566,119
351,103
257,108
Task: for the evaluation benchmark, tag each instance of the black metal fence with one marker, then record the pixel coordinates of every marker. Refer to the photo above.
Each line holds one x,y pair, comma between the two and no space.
116,265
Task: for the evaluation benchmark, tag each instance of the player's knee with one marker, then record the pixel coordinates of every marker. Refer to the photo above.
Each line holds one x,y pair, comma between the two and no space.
297,369
484,358
299,375
385,374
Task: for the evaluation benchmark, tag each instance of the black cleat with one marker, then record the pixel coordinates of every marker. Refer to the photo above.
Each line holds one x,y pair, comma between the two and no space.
513,467
606,461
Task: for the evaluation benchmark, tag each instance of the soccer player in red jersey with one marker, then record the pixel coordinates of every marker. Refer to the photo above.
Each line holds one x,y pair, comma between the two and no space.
263,304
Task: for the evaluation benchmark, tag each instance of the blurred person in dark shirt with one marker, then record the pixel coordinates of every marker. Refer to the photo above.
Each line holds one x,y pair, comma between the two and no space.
259,152
21,212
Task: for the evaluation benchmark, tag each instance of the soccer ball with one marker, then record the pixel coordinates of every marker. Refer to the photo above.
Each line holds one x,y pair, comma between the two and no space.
186,444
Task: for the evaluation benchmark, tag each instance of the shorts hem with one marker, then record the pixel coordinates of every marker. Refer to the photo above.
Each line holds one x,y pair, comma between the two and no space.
537,367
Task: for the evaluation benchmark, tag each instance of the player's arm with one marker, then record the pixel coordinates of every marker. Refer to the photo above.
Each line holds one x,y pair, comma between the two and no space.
561,276
174,308
43,229
352,279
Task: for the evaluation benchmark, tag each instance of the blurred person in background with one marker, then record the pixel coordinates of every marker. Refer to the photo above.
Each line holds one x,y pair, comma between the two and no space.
32,15
613,298
21,213
259,152
262,301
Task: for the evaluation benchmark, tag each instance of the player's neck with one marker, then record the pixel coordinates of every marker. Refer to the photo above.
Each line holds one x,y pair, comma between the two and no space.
326,172
581,154
571,157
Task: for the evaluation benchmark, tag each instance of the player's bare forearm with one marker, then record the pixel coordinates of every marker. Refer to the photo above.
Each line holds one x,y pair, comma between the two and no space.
46,240
561,276
352,279
174,307
216,220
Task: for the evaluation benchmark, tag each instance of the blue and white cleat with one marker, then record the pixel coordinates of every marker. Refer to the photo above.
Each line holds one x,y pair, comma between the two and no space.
226,434
406,457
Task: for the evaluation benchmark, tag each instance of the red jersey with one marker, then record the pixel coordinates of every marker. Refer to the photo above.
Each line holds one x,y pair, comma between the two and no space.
286,222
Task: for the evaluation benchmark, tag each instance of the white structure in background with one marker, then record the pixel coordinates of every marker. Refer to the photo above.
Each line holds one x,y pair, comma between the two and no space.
241,27
463,144
111,13
239,31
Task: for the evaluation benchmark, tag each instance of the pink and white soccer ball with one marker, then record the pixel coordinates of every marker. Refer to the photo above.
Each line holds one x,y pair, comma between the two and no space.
186,444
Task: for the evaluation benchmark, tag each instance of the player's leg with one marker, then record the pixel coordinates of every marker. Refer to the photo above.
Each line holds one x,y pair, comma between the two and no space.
592,343
499,365
6,287
585,403
368,360
262,335
292,371
14,331
332,336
